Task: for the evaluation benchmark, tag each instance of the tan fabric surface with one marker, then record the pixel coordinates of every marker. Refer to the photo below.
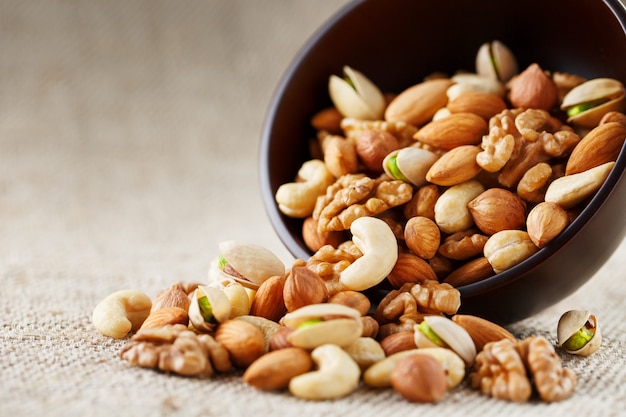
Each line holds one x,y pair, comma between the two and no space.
128,151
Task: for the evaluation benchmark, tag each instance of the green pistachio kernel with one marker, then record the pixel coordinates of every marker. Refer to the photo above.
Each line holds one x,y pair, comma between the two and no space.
206,310
430,334
579,339
582,107
222,261
392,164
350,82
310,322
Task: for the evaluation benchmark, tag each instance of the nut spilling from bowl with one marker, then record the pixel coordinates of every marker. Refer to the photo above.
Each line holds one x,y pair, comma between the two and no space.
497,161
452,186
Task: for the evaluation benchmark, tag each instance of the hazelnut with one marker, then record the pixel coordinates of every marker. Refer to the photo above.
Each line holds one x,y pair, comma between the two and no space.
533,89
303,287
419,378
422,236
498,209
373,146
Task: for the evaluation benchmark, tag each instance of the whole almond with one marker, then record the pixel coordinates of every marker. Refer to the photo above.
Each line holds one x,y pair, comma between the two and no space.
174,296
398,342
482,331
545,222
454,130
602,144
315,239
455,166
498,209
481,103
470,272
165,316
274,370
268,302
417,104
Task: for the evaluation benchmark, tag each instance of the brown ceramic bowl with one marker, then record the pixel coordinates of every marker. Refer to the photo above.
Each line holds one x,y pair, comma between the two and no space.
395,43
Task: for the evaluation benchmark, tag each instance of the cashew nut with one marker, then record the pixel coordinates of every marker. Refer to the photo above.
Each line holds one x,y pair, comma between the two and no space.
121,312
374,238
365,351
297,199
337,375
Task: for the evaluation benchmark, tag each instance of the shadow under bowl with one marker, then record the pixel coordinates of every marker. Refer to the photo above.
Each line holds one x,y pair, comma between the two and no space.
395,43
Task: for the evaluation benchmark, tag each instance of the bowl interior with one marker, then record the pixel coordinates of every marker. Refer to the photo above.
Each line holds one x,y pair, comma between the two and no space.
396,43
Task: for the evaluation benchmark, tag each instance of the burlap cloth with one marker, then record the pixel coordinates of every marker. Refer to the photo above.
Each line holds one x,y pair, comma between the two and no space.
128,150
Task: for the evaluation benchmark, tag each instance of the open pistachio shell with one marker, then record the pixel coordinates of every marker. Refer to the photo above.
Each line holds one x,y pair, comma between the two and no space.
578,332
209,307
318,324
250,264
599,96
356,96
465,82
409,164
454,336
495,60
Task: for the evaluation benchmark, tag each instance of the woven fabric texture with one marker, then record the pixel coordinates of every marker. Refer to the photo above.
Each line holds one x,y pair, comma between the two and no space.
128,150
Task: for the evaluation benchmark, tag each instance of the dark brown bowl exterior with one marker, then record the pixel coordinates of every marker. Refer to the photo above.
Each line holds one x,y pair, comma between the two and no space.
396,43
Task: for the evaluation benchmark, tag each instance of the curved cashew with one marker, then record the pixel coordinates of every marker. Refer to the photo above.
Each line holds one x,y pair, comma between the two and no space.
375,239
297,199
338,375
121,312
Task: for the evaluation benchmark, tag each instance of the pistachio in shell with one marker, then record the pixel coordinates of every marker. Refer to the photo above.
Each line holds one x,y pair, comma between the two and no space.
409,164
356,96
578,332
209,307
588,102
248,264
439,331
494,59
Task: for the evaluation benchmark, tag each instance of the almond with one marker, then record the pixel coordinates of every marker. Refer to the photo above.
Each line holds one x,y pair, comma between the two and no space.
268,302
600,145
470,272
243,341
417,104
274,370
165,316
481,103
455,166
482,331
398,342
454,130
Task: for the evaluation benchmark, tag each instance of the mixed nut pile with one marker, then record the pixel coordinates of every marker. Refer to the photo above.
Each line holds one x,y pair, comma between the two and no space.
447,183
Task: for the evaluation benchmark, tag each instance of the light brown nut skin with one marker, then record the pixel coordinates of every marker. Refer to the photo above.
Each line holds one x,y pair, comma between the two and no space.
470,272
397,342
481,103
452,131
410,268
463,245
314,239
164,316
600,145
422,236
355,299
417,104
423,202
497,209
545,222
268,301
482,331
274,370
372,146
455,166
419,378
533,89
243,341
303,287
